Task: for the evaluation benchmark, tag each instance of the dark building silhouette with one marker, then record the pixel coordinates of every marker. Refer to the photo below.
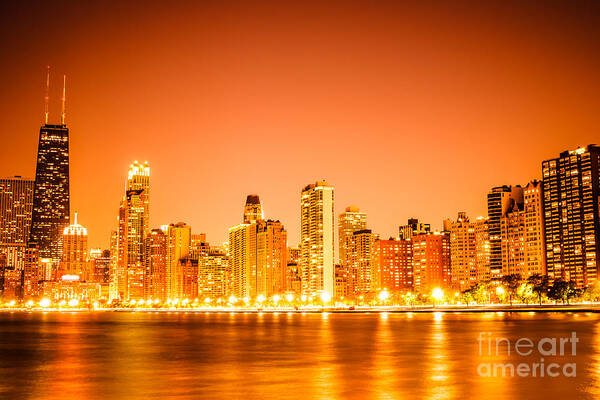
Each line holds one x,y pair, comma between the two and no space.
51,189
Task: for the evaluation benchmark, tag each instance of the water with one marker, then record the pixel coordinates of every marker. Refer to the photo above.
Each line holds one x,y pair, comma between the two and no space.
284,356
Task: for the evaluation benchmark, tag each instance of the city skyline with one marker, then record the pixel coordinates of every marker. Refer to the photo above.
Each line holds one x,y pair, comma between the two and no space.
251,109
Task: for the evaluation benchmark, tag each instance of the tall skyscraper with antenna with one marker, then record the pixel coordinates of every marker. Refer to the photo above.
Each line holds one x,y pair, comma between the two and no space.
51,204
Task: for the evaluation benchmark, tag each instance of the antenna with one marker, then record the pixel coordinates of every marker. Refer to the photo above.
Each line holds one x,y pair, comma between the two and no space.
47,95
62,114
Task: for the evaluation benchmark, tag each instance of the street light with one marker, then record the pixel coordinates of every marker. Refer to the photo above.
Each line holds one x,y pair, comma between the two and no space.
384,295
437,294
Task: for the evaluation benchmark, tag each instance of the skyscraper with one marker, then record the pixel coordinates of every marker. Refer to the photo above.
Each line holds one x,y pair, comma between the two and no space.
133,226
317,239
16,204
258,254
482,244
499,203
213,274
535,246
571,188
349,221
75,252
271,257
253,209
179,240
51,201
156,265
358,258
463,253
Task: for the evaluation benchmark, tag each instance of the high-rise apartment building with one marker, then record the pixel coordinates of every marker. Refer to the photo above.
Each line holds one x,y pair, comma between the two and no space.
512,233
571,192
358,259
350,221
156,265
31,273
100,266
242,254
271,258
431,261
258,255
213,275
16,204
499,202
392,262
463,253
317,239
535,246
482,249
179,240
413,227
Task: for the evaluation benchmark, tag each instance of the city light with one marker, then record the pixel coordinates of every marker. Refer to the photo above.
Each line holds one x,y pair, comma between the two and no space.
437,294
384,295
45,303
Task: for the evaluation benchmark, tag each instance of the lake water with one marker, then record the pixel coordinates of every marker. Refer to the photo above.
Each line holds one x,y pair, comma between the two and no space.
113,355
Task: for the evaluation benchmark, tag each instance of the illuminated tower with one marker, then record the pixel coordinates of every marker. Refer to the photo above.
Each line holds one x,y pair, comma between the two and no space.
75,252
317,239
133,226
51,206
572,218
253,209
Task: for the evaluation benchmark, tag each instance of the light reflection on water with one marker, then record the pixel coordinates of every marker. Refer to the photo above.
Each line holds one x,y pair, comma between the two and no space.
285,355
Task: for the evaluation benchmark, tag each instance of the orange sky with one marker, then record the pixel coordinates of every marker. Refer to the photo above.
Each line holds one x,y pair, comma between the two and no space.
410,109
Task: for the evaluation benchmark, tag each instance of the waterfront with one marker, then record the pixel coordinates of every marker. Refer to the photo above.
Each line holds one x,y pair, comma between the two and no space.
106,355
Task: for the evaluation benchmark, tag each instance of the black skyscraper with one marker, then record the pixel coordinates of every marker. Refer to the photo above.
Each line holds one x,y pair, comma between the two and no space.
51,209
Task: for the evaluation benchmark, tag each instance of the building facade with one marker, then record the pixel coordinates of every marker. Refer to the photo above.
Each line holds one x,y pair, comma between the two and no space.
463,253
571,191
392,261
317,239
431,261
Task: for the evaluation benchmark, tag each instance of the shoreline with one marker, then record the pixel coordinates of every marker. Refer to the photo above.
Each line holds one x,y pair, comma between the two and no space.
588,308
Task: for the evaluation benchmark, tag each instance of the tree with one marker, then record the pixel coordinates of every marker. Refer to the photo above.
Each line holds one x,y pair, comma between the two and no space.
512,283
539,284
562,290
592,292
